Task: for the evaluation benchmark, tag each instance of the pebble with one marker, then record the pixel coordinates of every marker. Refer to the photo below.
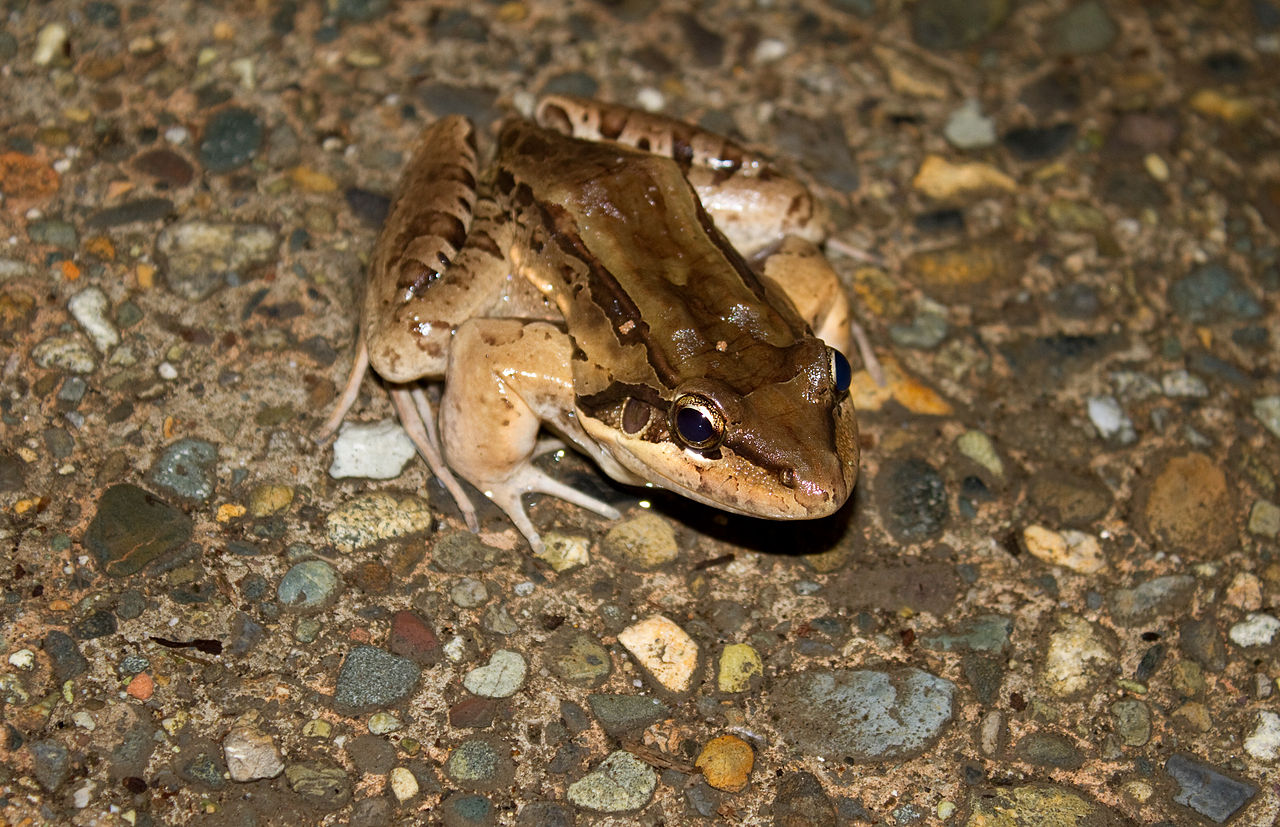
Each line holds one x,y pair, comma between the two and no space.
664,651
473,713
643,543
968,128
142,686
564,552
944,180
1048,749
915,499
372,518
1244,592
1205,790
1264,742
374,450
64,655
978,447
1077,657
461,552
479,764
726,763
51,762
941,25
1264,519
468,593
927,330
621,715
1073,550
1042,804
1201,640
621,783
66,353
1109,417
266,500
186,469
231,139
862,715
1267,410
987,633
251,754
403,783
1190,507
740,668
383,723
413,638
578,658
1183,384
308,586
54,232
502,677
1083,29
800,799
320,784
51,44
1152,598
132,211
1212,293
198,257
132,528
1133,722
466,809
1257,629
371,678
1037,143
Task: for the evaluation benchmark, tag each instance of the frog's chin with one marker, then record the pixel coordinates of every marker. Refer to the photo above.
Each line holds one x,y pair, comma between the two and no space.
728,483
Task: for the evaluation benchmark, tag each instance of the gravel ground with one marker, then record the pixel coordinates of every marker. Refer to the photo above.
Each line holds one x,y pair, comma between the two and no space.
1052,600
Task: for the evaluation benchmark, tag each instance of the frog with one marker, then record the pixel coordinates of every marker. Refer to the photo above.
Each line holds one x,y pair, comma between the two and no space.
621,282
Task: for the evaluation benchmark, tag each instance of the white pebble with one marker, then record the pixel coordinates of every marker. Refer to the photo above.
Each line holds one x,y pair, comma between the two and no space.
404,785
373,450
769,50
167,371
1257,629
650,99
22,659
50,43
1109,418
1180,383
1264,742
89,308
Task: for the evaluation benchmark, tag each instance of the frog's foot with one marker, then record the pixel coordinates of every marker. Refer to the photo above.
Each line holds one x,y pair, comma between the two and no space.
530,480
325,433
419,423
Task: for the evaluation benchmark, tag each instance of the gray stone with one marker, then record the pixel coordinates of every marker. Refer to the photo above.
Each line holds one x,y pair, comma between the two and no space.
626,714
185,469
1205,790
1086,28
371,678
1048,749
308,586
863,715
64,656
231,139
1153,597
800,800
988,633
1133,722
50,763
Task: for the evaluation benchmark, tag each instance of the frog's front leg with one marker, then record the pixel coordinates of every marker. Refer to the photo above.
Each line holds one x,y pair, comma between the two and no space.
507,378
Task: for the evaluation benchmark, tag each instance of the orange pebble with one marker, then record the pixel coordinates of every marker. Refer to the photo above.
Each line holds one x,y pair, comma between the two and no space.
141,687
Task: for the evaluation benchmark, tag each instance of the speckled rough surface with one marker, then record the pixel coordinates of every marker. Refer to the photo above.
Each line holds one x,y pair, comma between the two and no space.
1058,220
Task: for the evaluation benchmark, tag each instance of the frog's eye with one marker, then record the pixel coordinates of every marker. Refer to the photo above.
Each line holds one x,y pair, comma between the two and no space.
841,372
698,421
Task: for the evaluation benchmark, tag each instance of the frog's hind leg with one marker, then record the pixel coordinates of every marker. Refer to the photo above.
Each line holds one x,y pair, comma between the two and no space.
506,379
325,433
419,422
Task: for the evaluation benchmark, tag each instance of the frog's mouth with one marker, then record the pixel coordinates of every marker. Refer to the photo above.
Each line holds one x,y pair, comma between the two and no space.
729,481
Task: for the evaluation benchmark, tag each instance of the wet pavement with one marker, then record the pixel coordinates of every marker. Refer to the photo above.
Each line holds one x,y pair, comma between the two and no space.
1052,601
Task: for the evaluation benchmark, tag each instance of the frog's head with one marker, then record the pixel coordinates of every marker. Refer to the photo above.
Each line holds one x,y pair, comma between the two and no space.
786,448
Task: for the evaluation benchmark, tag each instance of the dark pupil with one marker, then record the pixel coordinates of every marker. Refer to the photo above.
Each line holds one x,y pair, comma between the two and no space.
842,374
695,427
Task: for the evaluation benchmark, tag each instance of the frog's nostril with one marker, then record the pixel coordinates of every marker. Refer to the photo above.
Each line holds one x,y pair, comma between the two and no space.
787,476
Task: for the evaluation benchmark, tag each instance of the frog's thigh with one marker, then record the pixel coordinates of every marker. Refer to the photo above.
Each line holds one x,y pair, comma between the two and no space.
755,213
800,270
